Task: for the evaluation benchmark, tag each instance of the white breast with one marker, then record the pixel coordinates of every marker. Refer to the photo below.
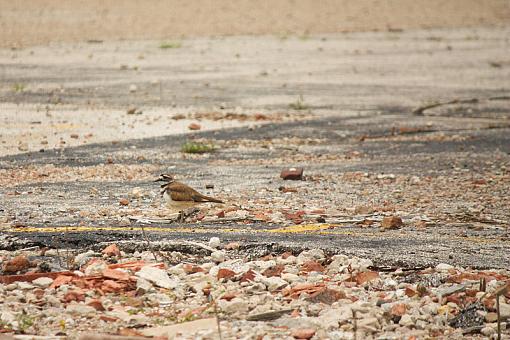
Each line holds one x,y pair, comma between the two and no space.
177,205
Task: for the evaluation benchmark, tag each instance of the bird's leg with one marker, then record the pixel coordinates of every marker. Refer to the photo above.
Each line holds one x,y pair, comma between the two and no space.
182,216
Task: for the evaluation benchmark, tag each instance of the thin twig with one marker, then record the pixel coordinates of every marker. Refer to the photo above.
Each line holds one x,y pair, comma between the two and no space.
499,317
419,111
149,245
483,284
68,260
215,309
355,324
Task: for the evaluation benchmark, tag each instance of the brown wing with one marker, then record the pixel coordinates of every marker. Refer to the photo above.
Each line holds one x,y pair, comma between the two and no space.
180,192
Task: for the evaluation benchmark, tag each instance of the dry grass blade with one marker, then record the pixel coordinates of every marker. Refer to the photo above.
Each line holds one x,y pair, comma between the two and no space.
149,245
499,317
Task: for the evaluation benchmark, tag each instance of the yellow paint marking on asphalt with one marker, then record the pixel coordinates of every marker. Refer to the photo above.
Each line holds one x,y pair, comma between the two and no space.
300,228
85,229
320,229
291,229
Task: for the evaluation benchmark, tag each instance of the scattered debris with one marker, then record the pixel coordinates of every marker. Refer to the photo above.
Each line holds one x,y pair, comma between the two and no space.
295,174
302,295
194,126
391,222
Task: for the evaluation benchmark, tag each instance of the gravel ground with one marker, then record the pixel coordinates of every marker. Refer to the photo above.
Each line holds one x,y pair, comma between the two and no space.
220,295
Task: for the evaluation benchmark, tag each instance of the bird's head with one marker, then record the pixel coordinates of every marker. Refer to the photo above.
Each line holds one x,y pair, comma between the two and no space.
166,178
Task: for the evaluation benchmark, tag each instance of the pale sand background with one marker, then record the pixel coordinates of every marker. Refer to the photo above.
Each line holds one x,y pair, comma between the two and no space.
36,22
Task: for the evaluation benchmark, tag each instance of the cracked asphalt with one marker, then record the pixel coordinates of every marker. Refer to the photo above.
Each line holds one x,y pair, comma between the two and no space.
365,154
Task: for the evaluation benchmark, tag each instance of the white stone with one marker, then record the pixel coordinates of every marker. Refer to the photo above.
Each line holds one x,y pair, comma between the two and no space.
82,259
25,285
161,299
95,268
11,286
360,265
158,277
7,317
137,193
77,308
52,300
236,305
43,282
273,283
177,270
291,278
182,330
289,260
406,320
504,309
256,287
390,284
133,88
214,242
488,331
444,267
311,255
421,324
143,286
370,324
218,256
430,308
331,318
261,265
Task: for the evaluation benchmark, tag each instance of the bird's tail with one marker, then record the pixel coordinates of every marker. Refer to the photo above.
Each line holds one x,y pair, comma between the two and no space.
210,199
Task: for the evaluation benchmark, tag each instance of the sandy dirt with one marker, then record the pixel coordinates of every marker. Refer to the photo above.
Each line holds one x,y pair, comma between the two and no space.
36,22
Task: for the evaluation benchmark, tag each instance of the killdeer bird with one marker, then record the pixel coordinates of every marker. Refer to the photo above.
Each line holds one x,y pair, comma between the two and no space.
179,196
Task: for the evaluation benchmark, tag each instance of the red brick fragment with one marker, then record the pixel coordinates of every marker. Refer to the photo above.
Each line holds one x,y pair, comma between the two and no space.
16,264
294,174
225,273
111,250
312,266
303,333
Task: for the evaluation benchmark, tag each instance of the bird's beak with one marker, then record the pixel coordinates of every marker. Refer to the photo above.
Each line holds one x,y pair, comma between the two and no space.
161,178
